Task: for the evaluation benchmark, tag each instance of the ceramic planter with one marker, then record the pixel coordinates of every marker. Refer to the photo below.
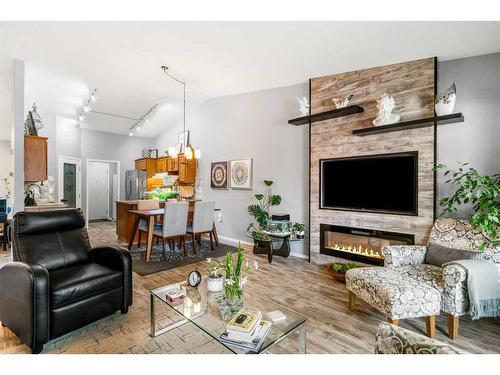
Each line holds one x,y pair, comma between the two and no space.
446,108
215,284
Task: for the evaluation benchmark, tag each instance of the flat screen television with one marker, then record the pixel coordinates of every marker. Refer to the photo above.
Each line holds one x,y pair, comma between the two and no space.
375,183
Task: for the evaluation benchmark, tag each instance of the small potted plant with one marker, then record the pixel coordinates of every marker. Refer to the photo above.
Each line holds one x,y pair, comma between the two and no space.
215,281
299,230
338,270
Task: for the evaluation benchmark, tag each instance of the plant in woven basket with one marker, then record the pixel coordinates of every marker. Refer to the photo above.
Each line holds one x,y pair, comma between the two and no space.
482,192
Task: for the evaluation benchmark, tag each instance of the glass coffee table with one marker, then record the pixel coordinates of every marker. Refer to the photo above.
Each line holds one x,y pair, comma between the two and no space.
199,308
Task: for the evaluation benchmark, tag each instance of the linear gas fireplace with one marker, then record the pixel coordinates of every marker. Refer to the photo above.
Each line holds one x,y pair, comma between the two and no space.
361,245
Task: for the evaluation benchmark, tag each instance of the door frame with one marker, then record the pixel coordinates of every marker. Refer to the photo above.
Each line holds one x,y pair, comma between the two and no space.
88,161
60,178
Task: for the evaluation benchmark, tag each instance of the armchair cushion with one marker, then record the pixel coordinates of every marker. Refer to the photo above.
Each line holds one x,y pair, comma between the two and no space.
391,339
437,255
73,283
403,255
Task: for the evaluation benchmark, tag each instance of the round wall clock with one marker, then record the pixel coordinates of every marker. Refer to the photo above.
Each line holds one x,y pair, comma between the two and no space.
194,278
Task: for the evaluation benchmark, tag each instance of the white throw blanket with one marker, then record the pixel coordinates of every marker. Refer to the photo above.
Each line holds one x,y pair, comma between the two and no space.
483,285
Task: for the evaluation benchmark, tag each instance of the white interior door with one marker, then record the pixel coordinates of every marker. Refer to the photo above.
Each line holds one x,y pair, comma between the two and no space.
98,185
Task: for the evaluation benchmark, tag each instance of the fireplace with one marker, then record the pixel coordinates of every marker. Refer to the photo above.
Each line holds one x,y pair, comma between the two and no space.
361,245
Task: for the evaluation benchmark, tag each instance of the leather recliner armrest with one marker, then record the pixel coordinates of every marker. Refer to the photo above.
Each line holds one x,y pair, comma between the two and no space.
24,302
117,258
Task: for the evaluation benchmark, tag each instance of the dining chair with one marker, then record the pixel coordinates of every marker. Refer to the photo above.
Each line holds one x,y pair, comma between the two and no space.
203,222
174,225
145,204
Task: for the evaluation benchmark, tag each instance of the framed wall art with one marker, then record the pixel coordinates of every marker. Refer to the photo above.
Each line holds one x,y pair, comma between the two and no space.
240,176
219,175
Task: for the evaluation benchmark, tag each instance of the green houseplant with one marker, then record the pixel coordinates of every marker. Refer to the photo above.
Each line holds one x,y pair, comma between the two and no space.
482,192
299,230
338,270
260,210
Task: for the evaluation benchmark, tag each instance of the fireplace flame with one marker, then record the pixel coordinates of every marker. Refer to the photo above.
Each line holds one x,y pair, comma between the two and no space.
359,250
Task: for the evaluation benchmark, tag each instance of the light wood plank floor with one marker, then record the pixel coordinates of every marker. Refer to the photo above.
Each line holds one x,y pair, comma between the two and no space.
292,282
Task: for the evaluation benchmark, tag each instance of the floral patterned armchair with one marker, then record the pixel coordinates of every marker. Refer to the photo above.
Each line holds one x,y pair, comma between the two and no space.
391,339
450,280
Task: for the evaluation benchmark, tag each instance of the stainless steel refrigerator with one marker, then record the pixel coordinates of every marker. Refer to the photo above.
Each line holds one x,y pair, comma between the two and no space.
135,184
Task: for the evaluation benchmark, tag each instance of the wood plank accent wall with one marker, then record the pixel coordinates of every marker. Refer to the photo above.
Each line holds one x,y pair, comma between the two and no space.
412,86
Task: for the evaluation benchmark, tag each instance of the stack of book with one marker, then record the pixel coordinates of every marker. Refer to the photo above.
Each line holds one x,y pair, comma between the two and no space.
246,330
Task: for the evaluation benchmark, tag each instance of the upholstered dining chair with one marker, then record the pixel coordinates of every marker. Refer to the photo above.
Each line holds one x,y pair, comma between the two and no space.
145,204
203,222
174,225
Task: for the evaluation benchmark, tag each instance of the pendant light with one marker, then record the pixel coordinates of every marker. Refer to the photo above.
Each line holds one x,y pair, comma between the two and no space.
189,152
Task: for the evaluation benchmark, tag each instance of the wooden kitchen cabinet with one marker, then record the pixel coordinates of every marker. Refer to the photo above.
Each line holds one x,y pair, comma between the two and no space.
173,164
35,158
147,165
162,164
187,170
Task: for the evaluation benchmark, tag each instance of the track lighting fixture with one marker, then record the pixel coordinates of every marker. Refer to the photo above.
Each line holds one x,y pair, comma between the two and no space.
86,108
143,120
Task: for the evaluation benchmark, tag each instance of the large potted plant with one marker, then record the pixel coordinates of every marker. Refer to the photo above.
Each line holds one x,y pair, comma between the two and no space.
338,270
260,210
482,192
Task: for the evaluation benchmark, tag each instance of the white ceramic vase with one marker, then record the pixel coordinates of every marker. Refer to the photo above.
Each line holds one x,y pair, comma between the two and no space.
215,284
443,108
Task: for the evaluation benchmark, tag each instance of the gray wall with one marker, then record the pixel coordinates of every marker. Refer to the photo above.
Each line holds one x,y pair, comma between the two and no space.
251,125
109,146
477,140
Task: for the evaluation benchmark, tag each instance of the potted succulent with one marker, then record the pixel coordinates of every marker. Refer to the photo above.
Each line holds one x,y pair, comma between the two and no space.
299,230
338,270
215,281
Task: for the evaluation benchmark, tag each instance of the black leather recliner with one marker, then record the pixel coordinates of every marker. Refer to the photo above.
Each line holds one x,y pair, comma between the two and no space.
57,282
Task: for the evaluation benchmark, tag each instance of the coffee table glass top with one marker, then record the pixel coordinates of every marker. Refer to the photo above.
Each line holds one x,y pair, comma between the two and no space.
199,307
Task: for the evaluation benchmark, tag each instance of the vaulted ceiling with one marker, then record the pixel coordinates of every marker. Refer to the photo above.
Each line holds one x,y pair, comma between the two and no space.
122,60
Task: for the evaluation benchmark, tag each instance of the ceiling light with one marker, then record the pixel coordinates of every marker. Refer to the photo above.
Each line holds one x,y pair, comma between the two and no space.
86,108
93,97
137,127
130,134
81,118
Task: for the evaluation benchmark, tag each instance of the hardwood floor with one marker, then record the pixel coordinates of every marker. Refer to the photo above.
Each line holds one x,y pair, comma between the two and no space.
300,286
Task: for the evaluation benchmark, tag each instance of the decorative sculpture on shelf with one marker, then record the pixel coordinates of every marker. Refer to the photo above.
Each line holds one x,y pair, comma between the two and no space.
385,116
342,101
445,103
303,106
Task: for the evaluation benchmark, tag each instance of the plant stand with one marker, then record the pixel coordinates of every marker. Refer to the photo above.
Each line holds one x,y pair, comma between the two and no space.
265,246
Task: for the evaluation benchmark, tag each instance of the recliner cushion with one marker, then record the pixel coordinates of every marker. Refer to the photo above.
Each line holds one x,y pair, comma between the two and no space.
73,283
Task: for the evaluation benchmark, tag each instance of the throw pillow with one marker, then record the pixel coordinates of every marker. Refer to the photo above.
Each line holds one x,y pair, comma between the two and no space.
437,255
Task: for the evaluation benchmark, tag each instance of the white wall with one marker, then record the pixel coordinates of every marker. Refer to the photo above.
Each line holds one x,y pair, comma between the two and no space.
252,125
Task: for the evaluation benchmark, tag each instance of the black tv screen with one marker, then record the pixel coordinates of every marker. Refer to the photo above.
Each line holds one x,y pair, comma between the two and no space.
376,183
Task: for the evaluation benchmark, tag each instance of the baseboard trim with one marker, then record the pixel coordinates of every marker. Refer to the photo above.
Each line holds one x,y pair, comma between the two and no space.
234,242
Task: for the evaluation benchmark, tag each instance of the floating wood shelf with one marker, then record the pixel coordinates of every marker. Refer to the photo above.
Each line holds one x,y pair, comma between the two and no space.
346,111
411,124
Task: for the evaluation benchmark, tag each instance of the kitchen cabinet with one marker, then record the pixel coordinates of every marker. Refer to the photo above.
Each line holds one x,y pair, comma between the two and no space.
162,164
173,164
35,158
147,165
187,170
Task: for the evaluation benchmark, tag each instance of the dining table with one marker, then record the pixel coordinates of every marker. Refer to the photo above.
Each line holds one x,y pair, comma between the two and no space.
150,217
